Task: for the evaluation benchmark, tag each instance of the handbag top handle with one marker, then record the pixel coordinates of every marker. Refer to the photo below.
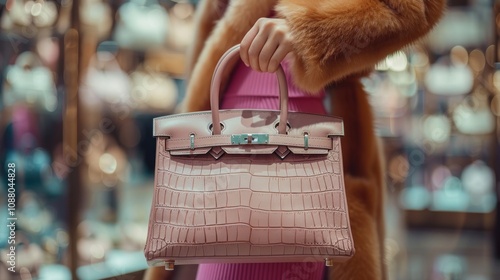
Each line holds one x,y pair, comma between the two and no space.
215,91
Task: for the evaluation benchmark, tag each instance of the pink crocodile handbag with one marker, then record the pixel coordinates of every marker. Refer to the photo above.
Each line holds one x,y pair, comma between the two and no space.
242,186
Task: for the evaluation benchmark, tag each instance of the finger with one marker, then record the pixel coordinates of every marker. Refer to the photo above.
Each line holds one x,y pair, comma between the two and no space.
267,53
255,49
281,52
277,38
245,44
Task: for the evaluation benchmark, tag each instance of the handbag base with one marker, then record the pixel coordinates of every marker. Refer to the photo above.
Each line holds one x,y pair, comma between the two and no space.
170,264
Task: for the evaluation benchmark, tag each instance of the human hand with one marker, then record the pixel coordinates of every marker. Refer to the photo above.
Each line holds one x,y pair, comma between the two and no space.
266,44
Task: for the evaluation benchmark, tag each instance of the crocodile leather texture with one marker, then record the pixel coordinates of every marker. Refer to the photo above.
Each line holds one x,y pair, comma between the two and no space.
278,198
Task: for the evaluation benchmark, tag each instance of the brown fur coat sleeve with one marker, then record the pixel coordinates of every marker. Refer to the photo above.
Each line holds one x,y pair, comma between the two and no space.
335,38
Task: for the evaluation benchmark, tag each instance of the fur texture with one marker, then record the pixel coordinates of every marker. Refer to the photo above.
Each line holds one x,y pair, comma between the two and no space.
336,42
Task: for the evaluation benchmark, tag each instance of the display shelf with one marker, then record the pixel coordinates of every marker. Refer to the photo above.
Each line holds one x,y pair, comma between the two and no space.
456,178
434,130
168,61
117,204
117,264
31,133
449,220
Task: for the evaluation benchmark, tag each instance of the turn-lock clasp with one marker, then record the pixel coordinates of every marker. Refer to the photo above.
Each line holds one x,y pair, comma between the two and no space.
249,138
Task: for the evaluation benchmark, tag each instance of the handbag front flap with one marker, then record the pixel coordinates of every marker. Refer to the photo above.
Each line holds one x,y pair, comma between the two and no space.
247,132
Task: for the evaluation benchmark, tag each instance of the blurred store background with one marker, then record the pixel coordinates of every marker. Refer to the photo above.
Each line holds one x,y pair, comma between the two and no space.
81,80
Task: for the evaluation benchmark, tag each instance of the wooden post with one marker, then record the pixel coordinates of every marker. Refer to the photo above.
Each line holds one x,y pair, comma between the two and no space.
71,134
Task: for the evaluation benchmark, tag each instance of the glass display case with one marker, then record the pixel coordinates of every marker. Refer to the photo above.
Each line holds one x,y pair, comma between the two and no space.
139,48
32,92
436,107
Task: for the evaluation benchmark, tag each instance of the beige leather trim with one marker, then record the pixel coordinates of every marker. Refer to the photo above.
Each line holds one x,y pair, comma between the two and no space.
225,140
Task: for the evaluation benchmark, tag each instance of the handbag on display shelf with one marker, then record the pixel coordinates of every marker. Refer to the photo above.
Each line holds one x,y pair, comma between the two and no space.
29,16
29,81
389,103
182,24
473,115
97,18
96,92
243,186
153,92
29,258
478,180
142,25
449,79
436,128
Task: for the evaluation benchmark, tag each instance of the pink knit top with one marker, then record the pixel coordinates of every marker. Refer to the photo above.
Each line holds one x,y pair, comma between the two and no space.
253,90
249,89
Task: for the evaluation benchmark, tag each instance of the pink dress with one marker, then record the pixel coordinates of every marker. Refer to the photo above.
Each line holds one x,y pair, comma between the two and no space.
253,90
